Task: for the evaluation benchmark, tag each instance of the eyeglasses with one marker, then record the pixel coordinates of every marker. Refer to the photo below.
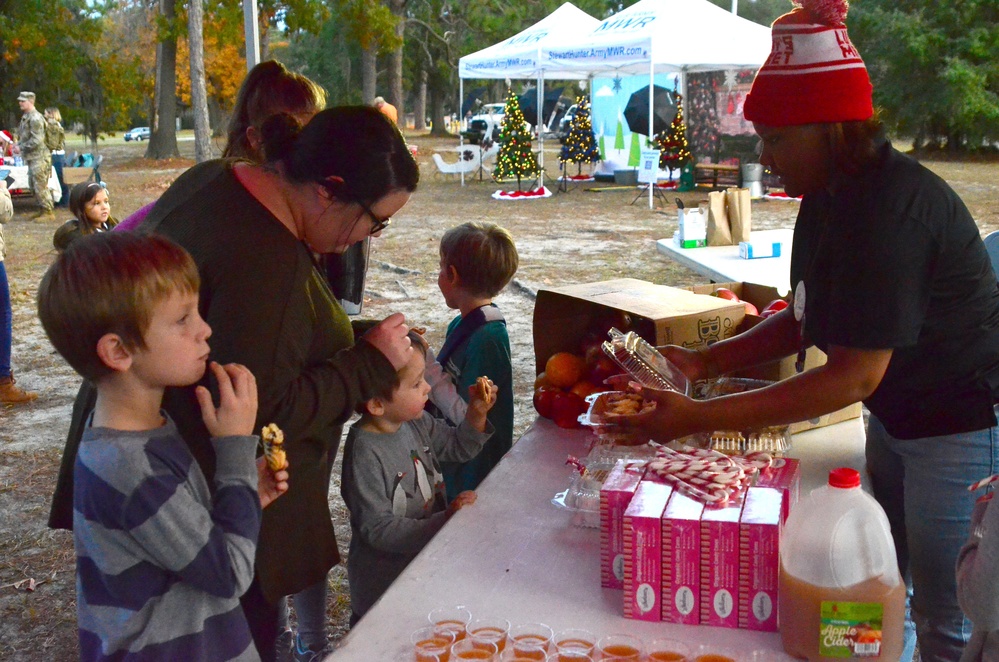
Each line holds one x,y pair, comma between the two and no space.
378,223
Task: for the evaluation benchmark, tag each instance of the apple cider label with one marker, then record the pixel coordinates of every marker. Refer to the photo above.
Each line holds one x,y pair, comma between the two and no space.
850,629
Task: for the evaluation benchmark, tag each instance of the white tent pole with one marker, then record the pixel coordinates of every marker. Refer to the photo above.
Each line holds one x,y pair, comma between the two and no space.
652,89
541,128
461,136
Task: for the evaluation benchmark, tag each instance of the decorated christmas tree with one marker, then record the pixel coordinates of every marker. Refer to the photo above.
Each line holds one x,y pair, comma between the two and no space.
672,143
580,146
515,158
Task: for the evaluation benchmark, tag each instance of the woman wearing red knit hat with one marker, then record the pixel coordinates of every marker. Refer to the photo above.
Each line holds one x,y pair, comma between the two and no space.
890,278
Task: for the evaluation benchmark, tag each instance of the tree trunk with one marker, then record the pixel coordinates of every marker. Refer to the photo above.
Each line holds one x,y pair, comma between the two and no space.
420,107
163,139
199,95
369,73
437,113
395,92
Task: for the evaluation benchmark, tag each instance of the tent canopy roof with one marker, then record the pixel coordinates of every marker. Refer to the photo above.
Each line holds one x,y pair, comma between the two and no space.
519,56
671,35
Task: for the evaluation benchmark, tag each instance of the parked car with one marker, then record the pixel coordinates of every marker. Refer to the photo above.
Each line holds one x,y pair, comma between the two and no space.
137,133
565,124
489,118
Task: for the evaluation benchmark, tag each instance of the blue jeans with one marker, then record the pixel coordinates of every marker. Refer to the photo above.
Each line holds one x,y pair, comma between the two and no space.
923,486
6,316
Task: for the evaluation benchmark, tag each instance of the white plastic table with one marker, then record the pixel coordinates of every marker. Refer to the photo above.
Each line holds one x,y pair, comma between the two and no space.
20,176
513,554
722,264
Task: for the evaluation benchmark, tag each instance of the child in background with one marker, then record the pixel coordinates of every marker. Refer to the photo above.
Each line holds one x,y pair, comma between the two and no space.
477,262
91,206
977,569
162,559
391,478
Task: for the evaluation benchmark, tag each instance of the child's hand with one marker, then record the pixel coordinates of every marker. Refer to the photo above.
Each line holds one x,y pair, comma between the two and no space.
271,484
463,499
237,410
482,394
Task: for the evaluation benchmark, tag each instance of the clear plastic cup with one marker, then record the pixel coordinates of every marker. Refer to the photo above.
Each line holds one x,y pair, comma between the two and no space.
531,640
570,656
455,619
432,644
575,639
510,655
621,647
711,653
492,630
467,649
668,650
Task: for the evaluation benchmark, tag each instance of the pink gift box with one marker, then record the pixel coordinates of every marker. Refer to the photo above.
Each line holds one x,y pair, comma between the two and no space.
759,550
720,566
681,560
615,495
785,475
643,551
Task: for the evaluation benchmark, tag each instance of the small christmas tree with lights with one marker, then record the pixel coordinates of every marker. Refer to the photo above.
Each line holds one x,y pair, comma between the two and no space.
515,158
672,143
580,146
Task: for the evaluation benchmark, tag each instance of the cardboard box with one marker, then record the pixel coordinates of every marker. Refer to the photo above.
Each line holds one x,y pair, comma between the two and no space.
681,560
720,566
759,553
643,551
785,476
615,495
760,296
565,316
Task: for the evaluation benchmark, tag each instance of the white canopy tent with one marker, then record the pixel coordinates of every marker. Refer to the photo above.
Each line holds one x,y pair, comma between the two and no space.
520,56
662,35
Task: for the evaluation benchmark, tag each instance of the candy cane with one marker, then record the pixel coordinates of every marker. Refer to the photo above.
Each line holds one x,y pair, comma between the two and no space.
983,482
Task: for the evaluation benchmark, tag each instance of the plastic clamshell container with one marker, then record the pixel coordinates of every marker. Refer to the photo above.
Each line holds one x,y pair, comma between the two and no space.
775,439
602,407
644,363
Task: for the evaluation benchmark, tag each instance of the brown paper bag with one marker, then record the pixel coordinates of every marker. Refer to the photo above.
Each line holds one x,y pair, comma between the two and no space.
738,202
718,231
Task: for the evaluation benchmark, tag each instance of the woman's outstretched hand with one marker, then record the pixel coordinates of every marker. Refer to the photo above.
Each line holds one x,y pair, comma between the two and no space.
389,337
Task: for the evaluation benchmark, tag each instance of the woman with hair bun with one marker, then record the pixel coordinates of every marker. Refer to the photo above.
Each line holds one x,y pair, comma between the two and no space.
253,230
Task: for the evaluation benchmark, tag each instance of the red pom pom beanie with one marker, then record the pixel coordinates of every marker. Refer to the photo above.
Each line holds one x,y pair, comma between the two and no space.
814,74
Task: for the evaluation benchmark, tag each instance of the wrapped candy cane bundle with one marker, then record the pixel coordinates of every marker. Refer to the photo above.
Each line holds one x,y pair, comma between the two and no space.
708,476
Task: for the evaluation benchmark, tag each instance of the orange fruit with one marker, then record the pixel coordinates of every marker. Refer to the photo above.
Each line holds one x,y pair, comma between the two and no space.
564,369
541,380
584,388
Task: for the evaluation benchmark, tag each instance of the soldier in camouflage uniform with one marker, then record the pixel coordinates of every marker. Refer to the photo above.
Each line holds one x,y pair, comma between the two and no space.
31,145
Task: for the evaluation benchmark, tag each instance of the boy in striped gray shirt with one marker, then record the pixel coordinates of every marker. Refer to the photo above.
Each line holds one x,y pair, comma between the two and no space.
162,556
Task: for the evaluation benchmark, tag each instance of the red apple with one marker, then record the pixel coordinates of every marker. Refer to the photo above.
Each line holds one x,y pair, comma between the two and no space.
725,293
567,408
544,399
751,309
601,370
773,307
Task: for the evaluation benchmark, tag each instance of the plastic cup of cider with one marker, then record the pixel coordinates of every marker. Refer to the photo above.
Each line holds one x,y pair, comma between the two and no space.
709,653
531,640
570,656
575,640
668,650
621,647
432,644
468,649
492,630
455,619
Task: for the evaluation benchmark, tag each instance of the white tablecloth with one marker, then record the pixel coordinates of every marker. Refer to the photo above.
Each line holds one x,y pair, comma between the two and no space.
513,554
20,177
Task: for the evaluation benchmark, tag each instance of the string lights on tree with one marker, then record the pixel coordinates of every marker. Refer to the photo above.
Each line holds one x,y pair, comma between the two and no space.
672,143
580,145
515,158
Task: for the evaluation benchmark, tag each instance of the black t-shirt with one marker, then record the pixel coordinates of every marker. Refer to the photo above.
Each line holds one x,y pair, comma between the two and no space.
895,260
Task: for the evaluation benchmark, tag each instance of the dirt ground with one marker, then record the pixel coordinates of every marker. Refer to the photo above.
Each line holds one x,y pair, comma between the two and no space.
579,236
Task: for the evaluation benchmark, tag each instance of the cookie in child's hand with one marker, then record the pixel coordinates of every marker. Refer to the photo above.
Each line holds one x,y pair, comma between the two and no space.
483,386
272,439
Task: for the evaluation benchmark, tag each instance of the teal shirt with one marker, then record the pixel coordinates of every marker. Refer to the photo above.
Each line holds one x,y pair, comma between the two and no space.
485,353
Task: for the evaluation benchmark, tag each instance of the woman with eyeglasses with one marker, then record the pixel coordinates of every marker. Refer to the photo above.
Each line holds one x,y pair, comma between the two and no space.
253,230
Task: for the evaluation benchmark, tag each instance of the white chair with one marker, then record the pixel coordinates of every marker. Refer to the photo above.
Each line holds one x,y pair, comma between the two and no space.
992,247
468,161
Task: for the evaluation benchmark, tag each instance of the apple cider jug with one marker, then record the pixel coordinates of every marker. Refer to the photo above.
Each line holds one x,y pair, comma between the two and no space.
840,594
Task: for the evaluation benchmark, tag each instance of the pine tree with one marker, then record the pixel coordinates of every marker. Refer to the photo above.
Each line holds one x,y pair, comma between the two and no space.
515,158
580,146
672,143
